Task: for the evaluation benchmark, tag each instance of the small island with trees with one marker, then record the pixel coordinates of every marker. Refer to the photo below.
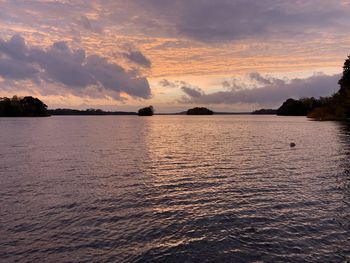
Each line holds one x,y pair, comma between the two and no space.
147,111
199,111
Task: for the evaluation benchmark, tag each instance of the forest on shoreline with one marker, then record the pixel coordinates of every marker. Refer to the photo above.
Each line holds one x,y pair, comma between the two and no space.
335,107
22,107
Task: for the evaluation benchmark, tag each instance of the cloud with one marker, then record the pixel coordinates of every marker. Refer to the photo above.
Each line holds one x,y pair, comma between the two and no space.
223,20
14,69
202,20
268,90
114,77
71,68
14,47
193,92
166,83
138,58
90,25
166,29
13,63
172,84
62,65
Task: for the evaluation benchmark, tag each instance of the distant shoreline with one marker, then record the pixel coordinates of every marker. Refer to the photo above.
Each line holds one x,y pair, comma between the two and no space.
215,113
121,113
88,112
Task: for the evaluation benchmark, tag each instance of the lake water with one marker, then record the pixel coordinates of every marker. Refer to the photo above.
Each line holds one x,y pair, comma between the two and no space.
174,189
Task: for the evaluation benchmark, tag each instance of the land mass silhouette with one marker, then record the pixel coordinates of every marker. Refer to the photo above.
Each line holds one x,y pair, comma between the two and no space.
265,112
147,111
22,107
335,107
199,111
94,112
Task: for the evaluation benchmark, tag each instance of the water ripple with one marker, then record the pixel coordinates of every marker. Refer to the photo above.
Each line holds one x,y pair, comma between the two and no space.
174,189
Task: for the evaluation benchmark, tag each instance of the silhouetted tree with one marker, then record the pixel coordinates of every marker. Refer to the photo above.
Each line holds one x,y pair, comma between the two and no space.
22,107
147,111
343,100
292,107
336,107
344,82
33,107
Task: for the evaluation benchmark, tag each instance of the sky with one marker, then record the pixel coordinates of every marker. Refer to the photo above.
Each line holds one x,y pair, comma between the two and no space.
227,55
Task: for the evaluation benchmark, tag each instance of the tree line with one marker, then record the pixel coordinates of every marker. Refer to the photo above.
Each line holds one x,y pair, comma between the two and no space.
335,107
88,112
22,107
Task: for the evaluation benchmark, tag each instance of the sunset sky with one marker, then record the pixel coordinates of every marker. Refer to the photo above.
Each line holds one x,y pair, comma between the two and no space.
228,55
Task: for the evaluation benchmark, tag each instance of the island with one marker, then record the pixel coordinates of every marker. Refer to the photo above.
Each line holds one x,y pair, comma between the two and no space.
199,111
147,111
22,107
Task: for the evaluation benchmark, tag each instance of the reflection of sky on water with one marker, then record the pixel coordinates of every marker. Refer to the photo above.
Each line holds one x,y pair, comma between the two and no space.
174,187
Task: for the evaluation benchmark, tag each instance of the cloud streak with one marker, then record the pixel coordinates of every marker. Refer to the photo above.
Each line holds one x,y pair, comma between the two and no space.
138,58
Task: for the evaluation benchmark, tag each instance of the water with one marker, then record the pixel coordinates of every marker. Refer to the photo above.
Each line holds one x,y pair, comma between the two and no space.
174,189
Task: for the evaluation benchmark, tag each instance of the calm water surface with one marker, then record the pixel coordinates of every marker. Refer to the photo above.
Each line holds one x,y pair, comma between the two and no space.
174,189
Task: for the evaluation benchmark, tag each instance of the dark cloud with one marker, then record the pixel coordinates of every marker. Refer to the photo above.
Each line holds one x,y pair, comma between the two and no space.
13,55
14,69
193,92
114,77
14,47
138,58
203,20
62,65
270,90
71,68
219,20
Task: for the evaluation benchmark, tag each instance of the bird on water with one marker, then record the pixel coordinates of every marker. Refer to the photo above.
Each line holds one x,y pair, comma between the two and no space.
292,144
